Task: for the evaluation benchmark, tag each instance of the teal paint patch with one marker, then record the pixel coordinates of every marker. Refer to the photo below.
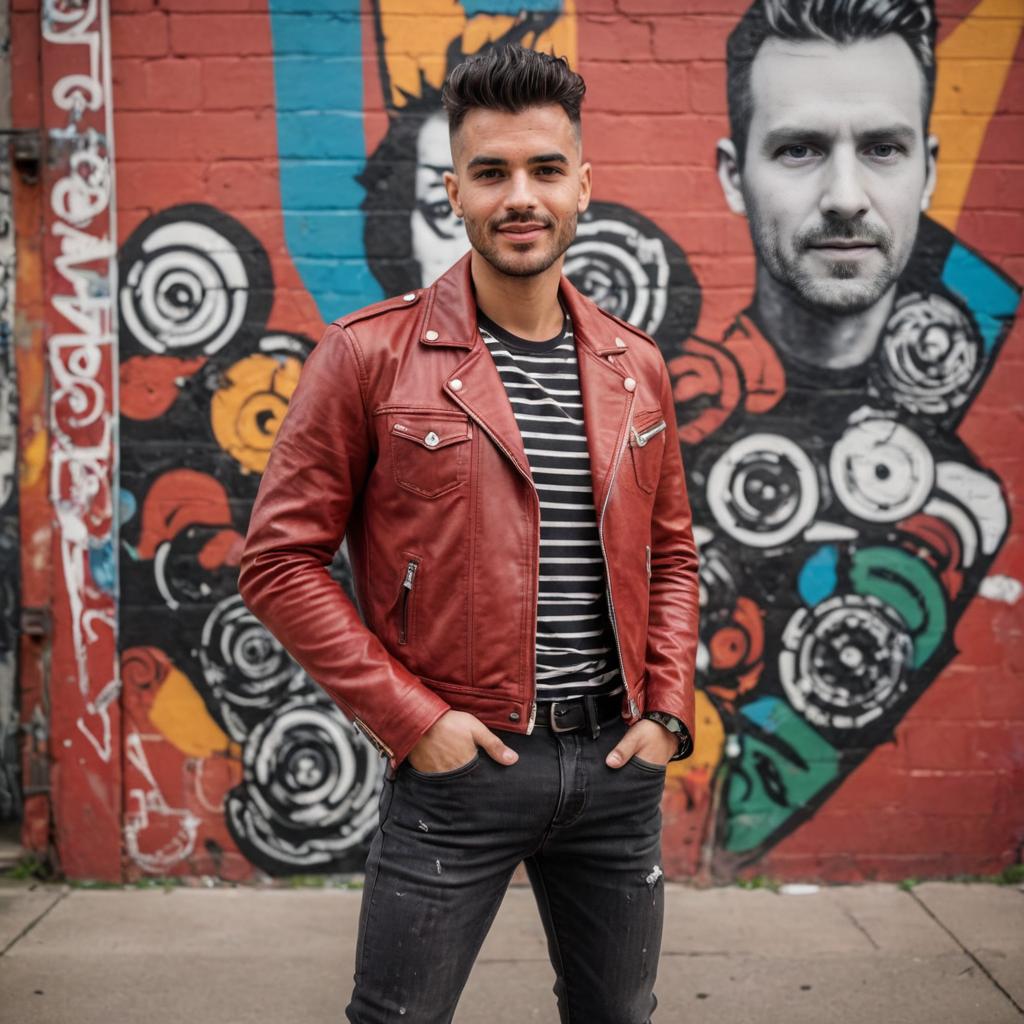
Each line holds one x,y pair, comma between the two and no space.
127,505
909,587
774,780
318,83
103,566
991,298
512,7
818,577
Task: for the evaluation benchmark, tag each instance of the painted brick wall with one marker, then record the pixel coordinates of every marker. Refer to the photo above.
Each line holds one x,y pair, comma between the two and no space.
264,181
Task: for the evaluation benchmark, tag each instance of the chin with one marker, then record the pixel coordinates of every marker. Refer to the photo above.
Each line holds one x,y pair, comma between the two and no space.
842,298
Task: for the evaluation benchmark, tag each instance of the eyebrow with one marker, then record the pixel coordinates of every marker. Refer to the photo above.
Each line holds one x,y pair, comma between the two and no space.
791,133
497,161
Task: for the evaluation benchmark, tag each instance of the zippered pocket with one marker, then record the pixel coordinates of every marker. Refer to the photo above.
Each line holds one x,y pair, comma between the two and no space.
641,437
646,447
405,600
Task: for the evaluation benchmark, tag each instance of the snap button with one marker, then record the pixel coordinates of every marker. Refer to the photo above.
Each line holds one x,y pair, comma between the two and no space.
620,343
431,335
629,384
514,716
409,296
431,440
455,384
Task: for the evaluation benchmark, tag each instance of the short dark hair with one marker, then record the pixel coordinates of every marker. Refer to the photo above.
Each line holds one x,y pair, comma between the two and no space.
512,78
835,21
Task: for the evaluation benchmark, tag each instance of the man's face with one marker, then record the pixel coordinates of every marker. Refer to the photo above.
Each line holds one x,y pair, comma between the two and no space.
836,169
519,185
438,236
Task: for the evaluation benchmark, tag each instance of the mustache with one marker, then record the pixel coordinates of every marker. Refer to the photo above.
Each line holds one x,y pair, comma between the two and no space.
846,231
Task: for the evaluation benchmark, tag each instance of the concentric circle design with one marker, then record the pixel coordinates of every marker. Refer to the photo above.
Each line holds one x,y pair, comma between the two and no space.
248,671
763,490
191,277
881,470
309,789
845,662
930,357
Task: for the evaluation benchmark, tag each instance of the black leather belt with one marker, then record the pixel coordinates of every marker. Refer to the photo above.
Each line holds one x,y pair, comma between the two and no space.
580,714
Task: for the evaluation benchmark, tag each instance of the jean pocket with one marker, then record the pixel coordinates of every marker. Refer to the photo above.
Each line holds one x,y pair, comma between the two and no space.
649,767
451,773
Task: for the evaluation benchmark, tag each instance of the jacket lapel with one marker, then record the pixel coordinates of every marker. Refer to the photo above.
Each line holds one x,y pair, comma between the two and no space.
607,402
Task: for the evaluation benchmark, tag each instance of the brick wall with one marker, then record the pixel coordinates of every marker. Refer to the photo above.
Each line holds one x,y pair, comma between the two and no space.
240,130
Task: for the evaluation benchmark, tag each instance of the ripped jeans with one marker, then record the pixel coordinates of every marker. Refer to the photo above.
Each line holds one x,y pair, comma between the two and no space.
444,854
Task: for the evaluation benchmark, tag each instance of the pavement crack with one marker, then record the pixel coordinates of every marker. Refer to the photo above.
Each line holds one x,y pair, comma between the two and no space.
24,931
981,967
856,924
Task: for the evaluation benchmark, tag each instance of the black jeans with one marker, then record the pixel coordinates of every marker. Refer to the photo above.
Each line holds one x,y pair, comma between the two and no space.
446,849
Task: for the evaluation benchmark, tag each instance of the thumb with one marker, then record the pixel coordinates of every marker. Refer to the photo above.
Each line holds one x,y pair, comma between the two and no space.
625,749
493,746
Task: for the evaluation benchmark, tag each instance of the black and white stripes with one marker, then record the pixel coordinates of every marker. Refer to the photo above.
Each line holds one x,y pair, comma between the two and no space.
575,649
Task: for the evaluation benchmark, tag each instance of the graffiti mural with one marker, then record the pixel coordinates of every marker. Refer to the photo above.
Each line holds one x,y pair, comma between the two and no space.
844,525
10,570
290,782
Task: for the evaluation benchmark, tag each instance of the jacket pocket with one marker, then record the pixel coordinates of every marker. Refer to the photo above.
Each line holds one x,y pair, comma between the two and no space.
646,447
430,452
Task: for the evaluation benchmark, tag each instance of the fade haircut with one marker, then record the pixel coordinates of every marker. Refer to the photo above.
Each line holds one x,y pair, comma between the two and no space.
834,21
512,78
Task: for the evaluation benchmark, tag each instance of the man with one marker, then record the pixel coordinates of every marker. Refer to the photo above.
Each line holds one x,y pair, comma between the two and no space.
847,525
520,536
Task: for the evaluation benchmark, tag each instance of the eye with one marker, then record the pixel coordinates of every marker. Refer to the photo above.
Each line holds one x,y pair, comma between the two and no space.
549,171
886,151
489,172
797,153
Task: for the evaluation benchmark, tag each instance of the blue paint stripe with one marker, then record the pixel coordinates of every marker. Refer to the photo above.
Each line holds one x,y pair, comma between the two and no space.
991,297
318,81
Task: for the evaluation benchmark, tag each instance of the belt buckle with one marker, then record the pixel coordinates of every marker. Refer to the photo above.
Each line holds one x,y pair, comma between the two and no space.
553,718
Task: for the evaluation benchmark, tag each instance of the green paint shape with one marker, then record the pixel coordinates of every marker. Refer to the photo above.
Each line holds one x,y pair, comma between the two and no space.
909,587
771,783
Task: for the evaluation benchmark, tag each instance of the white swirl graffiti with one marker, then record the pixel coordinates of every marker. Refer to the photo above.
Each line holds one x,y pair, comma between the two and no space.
931,356
881,470
763,490
187,290
844,662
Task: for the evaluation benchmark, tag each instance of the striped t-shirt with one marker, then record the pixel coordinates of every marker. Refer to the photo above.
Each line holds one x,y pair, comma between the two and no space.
575,647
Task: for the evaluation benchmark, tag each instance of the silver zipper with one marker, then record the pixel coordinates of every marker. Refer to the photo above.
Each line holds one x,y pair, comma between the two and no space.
407,585
633,708
643,437
648,551
529,479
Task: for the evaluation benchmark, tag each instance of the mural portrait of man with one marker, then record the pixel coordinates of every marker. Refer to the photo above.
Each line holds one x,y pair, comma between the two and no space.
847,526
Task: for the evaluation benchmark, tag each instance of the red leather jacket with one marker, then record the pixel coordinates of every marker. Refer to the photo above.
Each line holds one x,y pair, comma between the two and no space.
400,433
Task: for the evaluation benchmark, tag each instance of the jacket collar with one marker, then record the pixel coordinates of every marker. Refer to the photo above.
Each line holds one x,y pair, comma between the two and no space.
450,318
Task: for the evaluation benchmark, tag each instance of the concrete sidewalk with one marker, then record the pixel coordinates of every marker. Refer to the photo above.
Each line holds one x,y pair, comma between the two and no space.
872,954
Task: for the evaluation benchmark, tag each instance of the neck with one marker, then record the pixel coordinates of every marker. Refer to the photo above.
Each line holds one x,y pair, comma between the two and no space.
833,341
525,306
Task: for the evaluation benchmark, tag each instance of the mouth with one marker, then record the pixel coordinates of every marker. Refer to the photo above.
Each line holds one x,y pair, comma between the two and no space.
844,247
522,232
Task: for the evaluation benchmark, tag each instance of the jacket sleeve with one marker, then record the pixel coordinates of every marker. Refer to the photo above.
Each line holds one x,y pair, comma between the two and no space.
673,619
320,460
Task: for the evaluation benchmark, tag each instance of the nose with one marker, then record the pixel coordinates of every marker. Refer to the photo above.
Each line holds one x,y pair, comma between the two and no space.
843,195
520,195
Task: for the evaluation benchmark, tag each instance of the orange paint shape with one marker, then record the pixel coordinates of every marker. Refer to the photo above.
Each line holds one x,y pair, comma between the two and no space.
973,63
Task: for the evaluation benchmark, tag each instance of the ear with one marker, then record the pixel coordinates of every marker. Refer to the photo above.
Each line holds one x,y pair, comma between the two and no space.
586,182
931,175
451,186
729,175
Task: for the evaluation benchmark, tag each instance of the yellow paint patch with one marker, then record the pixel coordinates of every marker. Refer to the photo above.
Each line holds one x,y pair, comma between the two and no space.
708,743
180,715
973,62
416,40
33,459
247,410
